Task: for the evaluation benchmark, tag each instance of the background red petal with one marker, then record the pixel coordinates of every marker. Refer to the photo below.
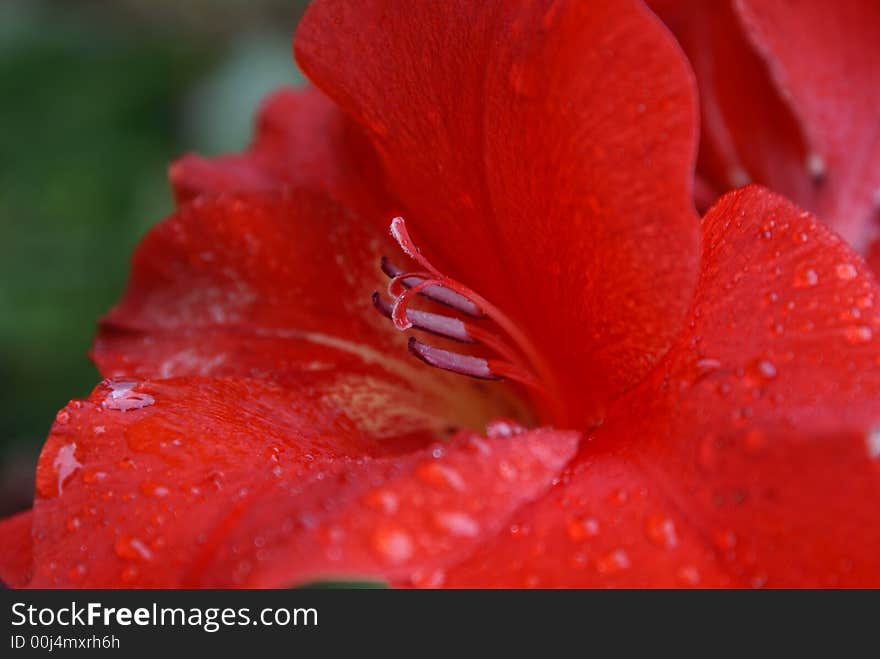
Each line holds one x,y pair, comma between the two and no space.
531,143
748,132
302,139
824,58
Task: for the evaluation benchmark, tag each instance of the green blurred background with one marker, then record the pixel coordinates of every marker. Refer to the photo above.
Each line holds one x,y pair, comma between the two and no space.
96,98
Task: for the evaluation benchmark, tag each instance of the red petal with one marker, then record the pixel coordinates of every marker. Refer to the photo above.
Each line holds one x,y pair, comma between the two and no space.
752,455
789,96
530,144
16,549
303,140
824,58
748,131
239,482
268,285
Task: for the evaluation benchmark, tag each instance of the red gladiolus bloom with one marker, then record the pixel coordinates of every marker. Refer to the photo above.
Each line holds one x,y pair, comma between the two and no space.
704,394
790,93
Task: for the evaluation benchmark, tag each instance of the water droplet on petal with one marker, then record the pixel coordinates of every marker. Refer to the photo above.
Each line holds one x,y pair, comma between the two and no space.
501,428
458,524
806,278
393,545
582,528
382,500
613,562
846,271
761,370
661,530
872,441
150,489
857,334
122,396
688,575
428,578
132,549
435,473
65,464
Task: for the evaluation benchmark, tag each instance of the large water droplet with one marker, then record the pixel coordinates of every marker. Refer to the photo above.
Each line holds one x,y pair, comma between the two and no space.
122,396
65,464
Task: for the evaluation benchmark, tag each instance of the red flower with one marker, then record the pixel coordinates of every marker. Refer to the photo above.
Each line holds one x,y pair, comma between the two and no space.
790,94
264,426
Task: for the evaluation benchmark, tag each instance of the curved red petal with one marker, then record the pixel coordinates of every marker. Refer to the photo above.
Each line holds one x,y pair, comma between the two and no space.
237,482
268,285
751,456
302,139
16,549
532,142
748,132
824,58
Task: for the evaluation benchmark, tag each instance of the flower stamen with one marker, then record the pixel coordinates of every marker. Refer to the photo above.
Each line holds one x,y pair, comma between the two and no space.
517,359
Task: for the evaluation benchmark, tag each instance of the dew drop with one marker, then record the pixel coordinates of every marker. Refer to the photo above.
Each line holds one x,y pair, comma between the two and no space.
66,464
688,575
872,441
619,497
122,397
613,562
661,531
502,428
458,524
857,334
382,500
846,271
132,549
761,370
582,528
62,417
393,545
440,475
150,489
806,278
428,578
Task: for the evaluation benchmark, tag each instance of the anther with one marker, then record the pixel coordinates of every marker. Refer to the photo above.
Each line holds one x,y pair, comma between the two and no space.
475,367
434,292
450,328
517,360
